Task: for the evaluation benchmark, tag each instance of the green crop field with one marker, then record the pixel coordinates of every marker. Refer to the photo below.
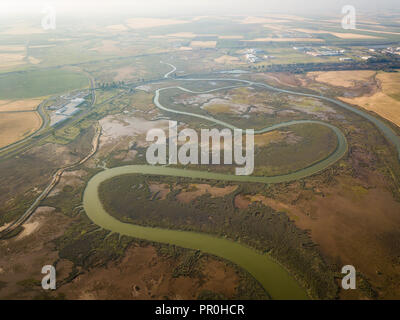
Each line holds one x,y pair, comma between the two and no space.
40,83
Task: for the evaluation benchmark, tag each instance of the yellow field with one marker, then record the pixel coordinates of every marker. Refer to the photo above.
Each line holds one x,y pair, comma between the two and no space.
352,36
345,79
142,23
19,105
386,102
379,31
182,35
41,46
12,48
338,34
258,20
22,29
16,126
286,17
276,27
369,21
226,59
285,40
203,44
230,37
309,31
34,60
107,46
11,59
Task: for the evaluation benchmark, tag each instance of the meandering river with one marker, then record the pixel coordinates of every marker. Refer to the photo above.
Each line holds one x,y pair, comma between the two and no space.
274,278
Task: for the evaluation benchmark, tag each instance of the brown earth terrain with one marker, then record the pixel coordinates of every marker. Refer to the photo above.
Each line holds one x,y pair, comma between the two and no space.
22,257
354,221
142,274
196,190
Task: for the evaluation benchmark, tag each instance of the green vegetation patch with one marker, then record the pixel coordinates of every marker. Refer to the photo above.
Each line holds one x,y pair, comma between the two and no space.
40,83
305,145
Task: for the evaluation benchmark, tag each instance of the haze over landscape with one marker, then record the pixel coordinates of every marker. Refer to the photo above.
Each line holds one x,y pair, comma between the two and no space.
196,7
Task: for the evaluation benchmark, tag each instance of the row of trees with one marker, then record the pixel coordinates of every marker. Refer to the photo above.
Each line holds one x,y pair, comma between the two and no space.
374,64
111,85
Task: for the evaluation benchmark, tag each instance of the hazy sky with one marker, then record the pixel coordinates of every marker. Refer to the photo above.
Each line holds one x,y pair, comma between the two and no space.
194,7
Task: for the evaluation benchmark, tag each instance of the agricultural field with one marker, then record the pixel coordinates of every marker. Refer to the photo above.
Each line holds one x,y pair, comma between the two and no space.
386,101
32,84
345,79
15,126
20,105
375,91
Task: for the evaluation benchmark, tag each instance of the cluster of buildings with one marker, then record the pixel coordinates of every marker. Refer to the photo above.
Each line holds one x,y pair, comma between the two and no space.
320,52
366,54
71,108
391,50
374,52
365,58
256,55
251,55
66,107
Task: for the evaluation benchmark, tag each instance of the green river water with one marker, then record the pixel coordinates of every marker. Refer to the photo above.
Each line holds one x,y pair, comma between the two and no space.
273,277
